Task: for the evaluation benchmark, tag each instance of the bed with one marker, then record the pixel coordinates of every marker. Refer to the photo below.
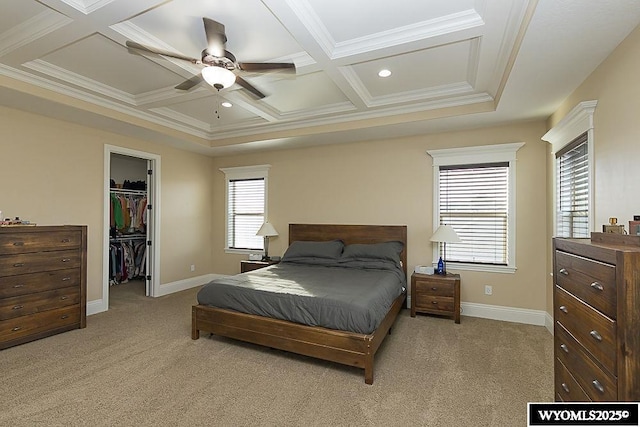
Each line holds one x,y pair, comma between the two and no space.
328,343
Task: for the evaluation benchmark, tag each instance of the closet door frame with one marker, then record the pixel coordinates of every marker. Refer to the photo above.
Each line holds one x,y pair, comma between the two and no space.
153,232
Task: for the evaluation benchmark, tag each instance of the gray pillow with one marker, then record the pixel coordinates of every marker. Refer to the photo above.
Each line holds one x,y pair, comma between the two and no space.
302,249
389,251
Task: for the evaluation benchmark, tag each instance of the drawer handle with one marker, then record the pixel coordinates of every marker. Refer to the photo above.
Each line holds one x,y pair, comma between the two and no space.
564,271
63,297
66,259
598,386
564,348
17,307
434,302
64,316
598,286
19,264
434,288
16,329
596,335
18,286
563,309
565,387
65,240
18,243
64,279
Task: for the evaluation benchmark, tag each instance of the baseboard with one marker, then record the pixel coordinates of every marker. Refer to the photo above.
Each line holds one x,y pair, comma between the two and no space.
506,314
548,323
182,285
95,307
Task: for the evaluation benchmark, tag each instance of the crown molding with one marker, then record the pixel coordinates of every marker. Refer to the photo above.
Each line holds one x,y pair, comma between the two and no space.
87,6
32,29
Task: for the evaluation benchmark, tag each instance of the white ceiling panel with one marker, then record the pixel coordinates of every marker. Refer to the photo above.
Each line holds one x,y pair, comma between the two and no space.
100,59
442,54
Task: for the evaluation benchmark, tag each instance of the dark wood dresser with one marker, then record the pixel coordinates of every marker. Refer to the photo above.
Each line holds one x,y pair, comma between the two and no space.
596,308
43,282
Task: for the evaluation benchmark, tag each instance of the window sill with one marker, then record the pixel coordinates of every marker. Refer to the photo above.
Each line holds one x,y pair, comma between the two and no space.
505,269
243,251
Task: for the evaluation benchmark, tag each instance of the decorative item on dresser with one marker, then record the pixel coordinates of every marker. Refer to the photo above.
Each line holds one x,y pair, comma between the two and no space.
436,294
43,282
596,303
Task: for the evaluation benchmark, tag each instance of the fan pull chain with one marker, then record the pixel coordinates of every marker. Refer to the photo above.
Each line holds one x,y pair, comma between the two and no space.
218,105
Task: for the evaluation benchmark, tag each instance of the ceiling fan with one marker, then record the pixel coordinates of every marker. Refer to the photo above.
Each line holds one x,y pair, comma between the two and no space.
220,65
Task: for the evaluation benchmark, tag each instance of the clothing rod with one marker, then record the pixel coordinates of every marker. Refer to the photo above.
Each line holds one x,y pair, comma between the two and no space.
124,238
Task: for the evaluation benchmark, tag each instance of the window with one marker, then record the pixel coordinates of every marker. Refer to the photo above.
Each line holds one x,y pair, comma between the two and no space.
572,142
474,192
246,189
572,200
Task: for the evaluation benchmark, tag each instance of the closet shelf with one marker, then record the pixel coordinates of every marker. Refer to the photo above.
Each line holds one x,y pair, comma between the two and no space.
132,192
125,238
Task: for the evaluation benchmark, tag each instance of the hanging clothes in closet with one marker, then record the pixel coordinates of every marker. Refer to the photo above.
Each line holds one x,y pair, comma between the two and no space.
128,213
126,260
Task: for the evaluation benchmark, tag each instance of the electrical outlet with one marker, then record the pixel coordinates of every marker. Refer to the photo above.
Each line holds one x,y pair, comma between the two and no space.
488,290
193,267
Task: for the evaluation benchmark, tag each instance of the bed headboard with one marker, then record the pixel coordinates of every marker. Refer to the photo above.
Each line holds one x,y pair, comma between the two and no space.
351,234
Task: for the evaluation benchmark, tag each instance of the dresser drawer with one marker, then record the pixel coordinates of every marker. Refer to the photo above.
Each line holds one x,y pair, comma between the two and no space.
567,388
11,265
11,286
35,303
434,303
595,331
444,289
17,243
20,327
589,280
598,384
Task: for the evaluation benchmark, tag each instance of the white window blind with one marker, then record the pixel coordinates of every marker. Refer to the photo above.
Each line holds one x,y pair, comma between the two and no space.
474,200
246,213
572,180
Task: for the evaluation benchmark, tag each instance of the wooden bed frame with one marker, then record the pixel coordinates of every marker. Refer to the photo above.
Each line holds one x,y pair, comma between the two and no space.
347,348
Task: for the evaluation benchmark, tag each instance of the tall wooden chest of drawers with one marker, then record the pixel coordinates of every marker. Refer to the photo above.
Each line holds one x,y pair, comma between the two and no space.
43,282
596,311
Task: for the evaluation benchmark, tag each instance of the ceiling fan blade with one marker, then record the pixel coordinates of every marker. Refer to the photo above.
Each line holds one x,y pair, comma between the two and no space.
267,66
192,82
141,48
248,86
216,37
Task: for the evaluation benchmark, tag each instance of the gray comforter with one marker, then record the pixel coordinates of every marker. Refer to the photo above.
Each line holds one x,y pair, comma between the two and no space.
334,297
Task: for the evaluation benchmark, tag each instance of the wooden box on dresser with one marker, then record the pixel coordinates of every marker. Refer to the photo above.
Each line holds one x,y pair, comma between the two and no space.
42,282
596,310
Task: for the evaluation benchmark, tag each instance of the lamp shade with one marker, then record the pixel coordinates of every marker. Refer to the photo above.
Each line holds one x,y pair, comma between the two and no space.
267,230
445,233
218,77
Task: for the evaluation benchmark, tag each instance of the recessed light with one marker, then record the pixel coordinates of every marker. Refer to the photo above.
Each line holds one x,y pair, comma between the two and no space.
384,73
227,104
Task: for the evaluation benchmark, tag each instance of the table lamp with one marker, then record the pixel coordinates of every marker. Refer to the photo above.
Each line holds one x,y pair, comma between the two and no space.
266,230
445,234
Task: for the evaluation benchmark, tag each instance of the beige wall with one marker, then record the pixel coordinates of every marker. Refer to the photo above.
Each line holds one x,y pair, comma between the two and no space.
391,182
616,87
52,173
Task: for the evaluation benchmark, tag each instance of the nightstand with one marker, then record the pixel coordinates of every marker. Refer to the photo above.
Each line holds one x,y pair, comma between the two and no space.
436,294
249,265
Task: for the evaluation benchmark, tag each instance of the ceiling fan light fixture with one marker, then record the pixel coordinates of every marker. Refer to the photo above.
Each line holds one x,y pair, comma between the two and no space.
218,77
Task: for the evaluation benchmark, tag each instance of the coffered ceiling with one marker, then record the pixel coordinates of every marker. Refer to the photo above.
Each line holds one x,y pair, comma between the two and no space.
453,63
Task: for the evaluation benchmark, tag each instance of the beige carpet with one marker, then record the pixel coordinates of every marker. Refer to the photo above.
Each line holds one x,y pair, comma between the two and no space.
136,365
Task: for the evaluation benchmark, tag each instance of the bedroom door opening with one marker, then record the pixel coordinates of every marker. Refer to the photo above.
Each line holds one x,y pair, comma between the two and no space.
131,224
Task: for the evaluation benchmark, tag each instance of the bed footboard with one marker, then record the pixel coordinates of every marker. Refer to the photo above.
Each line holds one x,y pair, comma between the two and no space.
342,347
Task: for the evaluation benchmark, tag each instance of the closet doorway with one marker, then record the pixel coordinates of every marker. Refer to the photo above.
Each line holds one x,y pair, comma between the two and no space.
131,223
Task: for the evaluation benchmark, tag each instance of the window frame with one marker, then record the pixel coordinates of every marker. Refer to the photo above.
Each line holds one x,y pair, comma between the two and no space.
577,122
485,154
244,173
